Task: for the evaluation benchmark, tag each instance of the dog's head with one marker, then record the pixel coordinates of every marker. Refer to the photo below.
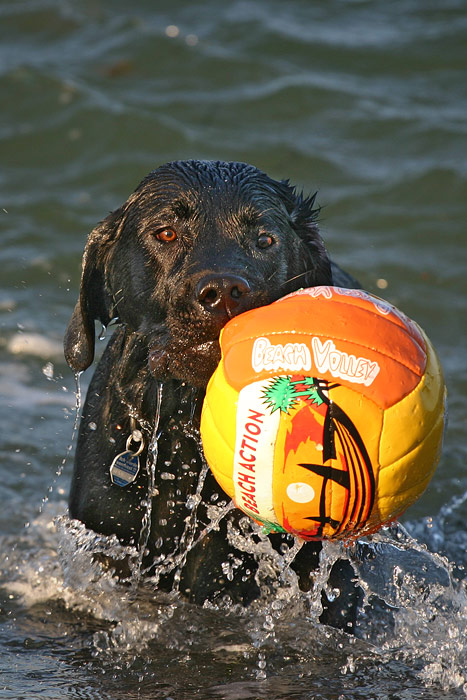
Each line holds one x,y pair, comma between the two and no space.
197,243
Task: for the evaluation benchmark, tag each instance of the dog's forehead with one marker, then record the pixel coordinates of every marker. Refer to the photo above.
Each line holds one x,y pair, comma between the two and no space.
188,188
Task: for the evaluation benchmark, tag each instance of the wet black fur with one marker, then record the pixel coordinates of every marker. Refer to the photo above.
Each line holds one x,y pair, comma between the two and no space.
223,214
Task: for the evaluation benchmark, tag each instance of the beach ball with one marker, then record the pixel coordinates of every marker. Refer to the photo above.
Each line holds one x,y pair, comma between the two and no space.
325,415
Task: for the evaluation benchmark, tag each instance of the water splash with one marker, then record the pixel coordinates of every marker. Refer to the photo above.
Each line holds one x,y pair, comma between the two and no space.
413,615
413,620
421,610
176,560
274,609
70,446
191,525
151,490
330,553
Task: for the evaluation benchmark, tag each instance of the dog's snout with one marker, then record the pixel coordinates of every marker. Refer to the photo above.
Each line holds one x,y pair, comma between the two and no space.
222,293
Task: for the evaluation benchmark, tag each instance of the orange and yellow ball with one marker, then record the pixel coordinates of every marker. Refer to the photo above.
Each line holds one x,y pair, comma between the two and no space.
325,415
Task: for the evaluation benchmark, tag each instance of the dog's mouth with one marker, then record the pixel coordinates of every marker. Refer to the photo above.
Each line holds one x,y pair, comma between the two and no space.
188,349
193,364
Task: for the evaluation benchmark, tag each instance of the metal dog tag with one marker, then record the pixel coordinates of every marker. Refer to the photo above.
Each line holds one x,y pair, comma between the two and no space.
125,467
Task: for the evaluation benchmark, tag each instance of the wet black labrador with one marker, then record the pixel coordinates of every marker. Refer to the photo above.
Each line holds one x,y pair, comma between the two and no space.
197,243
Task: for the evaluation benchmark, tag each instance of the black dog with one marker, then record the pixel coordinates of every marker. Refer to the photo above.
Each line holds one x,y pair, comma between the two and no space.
197,243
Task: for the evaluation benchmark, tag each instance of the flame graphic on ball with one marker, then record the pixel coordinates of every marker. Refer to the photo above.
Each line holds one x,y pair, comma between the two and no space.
328,435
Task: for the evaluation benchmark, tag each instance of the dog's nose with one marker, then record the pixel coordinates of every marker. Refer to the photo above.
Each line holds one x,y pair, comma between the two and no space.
222,293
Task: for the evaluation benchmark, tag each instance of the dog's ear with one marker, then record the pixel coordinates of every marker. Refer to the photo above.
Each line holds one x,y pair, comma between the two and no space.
95,301
304,217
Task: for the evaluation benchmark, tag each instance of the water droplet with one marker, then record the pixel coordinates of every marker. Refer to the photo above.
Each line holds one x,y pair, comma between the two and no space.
172,31
167,476
192,501
48,370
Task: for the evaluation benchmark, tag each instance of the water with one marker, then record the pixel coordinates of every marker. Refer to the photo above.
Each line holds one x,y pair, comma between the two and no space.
363,100
76,619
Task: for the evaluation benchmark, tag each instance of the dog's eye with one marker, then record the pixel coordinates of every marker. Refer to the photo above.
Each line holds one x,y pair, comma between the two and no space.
166,235
264,241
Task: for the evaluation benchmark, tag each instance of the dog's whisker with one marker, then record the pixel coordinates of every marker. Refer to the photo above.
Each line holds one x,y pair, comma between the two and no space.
272,275
296,277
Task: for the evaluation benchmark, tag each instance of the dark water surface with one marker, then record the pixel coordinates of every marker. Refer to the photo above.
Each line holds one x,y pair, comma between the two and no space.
362,100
